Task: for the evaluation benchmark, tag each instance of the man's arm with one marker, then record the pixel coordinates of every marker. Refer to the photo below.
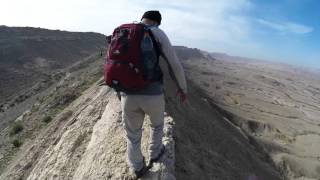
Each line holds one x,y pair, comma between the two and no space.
175,68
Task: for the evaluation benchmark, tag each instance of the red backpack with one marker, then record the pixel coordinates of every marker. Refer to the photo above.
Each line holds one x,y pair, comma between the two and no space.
132,60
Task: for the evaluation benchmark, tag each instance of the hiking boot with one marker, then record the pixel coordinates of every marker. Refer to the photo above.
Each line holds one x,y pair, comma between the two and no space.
140,173
157,159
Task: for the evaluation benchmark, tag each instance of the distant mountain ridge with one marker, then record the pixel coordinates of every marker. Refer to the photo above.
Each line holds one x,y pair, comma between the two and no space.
29,55
185,53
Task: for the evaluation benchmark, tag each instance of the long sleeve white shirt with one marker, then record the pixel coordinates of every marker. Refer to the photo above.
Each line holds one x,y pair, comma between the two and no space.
171,58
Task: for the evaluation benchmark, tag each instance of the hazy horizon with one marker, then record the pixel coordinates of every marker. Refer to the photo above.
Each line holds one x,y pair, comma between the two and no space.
281,31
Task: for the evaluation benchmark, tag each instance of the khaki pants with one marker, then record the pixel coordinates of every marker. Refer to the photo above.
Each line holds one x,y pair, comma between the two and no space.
134,108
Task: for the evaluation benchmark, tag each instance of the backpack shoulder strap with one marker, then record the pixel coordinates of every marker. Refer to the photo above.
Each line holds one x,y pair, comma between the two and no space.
155,43
159,50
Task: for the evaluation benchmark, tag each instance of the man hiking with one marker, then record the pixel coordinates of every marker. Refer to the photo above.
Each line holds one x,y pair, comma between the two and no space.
145,94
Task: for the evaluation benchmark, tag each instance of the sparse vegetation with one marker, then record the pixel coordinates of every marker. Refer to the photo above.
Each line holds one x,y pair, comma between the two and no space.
16,128
78,141
16,143
66,115
207,73
47,119
231,83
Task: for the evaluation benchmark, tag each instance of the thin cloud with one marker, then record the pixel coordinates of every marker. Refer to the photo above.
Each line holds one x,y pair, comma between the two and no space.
220,25
299,28
290,27
187,22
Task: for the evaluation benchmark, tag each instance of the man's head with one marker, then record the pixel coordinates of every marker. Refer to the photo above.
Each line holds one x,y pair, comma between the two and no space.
151,18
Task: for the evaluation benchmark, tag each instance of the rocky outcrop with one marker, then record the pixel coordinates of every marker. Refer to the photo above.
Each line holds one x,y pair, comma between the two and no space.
89,144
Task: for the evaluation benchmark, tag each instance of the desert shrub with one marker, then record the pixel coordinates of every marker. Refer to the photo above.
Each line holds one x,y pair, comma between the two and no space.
16,143
35,107
16,128
231,83
47,119
206,73
67,98
66,115
78,141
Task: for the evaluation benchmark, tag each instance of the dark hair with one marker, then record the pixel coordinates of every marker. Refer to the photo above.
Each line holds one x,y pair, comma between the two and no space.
153,15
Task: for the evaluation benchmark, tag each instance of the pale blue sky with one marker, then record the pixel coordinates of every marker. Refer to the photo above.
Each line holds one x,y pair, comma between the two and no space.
279,30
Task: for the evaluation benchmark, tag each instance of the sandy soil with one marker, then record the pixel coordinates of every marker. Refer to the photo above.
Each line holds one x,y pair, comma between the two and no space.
277,104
